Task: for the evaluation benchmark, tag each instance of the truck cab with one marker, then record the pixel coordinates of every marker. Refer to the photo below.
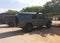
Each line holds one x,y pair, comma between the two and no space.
28,20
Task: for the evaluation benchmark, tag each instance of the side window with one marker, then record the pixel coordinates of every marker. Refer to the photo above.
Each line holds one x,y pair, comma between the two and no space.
34,17
37,17
41,17
25,16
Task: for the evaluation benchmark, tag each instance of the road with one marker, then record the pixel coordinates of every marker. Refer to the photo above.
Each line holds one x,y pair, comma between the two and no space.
16,35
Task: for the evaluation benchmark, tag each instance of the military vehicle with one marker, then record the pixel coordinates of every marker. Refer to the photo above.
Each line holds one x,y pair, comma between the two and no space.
10,20
27,20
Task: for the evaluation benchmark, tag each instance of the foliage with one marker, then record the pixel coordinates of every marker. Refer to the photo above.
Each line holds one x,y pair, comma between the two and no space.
32,9
53,7
11,12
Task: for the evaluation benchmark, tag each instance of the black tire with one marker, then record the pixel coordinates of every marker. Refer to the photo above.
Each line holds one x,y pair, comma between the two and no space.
11,24
48,25
28,27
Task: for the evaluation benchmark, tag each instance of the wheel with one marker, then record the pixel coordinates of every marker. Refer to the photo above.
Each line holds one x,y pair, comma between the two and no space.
28,27
48,25
11,24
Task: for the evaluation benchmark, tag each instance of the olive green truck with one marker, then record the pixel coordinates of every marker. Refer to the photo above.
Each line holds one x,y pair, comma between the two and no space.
28,20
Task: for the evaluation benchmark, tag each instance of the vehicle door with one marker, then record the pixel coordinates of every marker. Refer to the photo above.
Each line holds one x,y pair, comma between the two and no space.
41,20
35,20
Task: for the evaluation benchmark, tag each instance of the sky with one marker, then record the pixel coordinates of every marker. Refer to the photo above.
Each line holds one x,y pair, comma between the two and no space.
19,4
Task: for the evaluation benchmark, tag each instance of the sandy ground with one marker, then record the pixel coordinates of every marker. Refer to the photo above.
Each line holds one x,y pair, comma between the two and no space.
56,23
16,35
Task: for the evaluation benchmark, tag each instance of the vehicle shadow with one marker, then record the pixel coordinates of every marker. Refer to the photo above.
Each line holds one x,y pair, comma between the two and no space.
12,33
5,27
47,31
42,32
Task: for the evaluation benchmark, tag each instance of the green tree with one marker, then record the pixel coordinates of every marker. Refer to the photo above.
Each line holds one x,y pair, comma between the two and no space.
53,7
11,12
32,9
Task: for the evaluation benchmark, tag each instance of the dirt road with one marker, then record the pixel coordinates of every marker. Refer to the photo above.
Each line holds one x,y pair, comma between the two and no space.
16,35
